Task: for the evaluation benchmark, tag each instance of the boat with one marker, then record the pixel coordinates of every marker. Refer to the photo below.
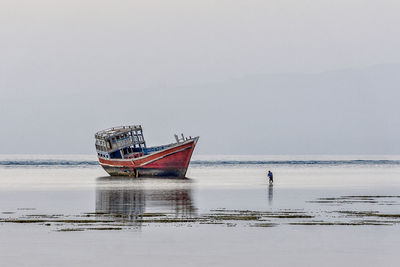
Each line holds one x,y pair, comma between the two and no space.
122,151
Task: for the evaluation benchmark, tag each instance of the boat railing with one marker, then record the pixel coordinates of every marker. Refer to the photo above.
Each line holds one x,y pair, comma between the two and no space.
155,149
120,128
182,138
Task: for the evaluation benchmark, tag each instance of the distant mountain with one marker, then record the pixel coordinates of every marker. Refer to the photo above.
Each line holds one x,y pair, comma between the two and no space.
352,111
344,111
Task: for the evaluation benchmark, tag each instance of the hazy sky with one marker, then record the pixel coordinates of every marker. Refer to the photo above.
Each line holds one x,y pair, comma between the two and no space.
248,76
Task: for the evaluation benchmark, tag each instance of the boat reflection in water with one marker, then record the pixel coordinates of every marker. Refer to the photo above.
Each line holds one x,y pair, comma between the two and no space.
131,198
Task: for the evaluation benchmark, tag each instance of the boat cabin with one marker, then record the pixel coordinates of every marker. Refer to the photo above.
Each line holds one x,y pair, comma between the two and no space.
121,142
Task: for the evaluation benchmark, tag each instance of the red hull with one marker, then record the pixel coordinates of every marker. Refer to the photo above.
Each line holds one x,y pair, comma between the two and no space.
172,161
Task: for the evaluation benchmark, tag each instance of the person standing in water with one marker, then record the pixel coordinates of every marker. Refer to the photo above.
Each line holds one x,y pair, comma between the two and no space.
271,177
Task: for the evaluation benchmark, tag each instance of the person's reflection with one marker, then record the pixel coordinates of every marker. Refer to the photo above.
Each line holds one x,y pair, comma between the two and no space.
270,193
132,199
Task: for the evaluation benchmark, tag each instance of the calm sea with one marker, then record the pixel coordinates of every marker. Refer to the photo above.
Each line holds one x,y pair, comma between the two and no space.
321,210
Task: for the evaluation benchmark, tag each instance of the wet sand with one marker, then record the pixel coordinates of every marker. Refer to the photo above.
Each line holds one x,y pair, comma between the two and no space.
222,215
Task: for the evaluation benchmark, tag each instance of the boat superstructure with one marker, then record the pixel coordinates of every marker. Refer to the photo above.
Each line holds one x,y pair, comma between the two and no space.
122,151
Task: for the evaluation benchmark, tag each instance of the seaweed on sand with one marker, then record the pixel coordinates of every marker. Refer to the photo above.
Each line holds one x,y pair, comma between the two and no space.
263,225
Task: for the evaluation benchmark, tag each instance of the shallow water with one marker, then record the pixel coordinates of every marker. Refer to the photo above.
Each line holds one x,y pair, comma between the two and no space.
321,210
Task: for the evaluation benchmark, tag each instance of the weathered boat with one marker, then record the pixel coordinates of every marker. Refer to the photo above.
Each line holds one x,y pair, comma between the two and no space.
123,151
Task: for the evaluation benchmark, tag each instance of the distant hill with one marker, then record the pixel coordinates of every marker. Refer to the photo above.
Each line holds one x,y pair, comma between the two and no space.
352,111
345,111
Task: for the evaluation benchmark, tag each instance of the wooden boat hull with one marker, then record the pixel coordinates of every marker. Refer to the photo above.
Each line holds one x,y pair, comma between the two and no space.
170,162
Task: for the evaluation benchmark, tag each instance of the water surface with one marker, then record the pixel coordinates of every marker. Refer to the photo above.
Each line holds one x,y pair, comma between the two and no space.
321,210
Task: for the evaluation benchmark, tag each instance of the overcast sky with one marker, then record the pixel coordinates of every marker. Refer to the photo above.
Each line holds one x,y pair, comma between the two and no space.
250,77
